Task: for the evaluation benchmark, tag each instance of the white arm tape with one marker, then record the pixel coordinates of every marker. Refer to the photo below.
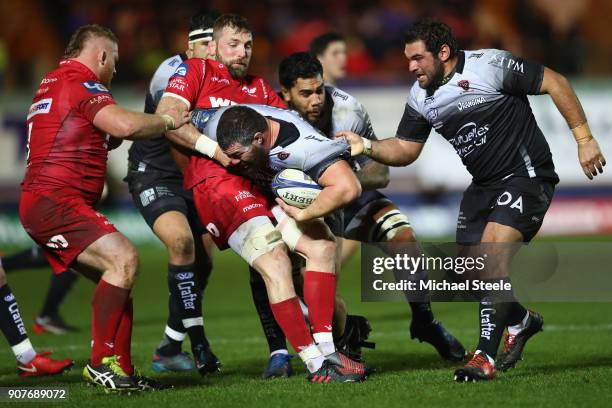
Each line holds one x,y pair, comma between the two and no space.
206,146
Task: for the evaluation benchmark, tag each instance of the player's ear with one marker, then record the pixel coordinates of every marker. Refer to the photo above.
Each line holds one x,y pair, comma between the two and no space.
212,48
102,57
286,94
258,138
444,53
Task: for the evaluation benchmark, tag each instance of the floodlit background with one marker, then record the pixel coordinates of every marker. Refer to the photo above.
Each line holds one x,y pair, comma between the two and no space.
569,36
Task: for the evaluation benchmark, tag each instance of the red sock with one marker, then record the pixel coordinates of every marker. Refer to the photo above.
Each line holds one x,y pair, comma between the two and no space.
123,338
320,297
288,314
108,304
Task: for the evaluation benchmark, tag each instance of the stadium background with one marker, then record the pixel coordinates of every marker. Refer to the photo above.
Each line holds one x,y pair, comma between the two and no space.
570,36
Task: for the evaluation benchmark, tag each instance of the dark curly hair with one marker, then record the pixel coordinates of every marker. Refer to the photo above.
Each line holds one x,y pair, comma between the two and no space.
298,65
434,34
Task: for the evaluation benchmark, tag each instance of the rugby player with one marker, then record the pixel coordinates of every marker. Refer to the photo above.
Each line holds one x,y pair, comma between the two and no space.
372,217
72,123
237,214
477,100
330,50
49,319
29,362
156,185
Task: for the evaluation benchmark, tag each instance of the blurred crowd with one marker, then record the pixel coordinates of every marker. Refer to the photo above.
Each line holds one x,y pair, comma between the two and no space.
570,36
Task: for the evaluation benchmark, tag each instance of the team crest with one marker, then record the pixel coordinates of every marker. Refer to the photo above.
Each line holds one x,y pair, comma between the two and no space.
432,114
465,84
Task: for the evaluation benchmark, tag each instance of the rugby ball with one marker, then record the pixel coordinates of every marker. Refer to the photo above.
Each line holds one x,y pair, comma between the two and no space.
295,187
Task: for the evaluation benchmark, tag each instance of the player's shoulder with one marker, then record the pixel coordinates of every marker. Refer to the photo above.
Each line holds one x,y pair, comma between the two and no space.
483,59
416,96
342,98
168,66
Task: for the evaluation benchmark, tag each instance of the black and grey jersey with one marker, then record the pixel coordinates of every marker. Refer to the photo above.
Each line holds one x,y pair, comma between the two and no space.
484,113
154,153
342,111
298,146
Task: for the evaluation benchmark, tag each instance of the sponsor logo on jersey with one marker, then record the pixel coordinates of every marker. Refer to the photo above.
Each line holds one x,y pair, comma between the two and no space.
340,95
219,102
184,275
468,137
429,100
464,84
9,298
242,194
215,78
432,114
477,55
251,207
249,91
95,87
57,242
48,81
283,155
42,106
181,70
212,228
174,62
177,83
505,62
471,103
313,137
100,99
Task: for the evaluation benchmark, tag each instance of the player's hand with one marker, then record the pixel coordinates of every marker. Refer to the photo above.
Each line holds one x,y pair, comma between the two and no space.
591,159
173,123
293,212
355,141
223,158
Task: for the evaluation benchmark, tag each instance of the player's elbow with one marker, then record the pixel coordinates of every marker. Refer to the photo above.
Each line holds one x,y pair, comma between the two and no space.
351,190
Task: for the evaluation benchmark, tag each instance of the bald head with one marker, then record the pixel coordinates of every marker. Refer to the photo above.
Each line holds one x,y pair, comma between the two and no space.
95,47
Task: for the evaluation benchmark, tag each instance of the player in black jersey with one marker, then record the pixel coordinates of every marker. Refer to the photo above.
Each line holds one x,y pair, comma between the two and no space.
156,185
477,100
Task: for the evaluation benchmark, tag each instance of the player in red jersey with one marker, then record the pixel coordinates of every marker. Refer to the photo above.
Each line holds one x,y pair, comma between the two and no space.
237,214
71,114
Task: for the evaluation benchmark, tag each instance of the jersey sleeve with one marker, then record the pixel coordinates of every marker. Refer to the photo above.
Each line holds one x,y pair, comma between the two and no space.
413,126
320,153
187,80
91,96
514,75
272,97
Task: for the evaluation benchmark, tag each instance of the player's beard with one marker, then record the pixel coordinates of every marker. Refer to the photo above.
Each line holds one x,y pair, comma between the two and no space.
237,71
437,75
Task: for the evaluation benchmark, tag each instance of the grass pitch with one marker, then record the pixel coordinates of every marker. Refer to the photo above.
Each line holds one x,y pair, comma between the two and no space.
569,364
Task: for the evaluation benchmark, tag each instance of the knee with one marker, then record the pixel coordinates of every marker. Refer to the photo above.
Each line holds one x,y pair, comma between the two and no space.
181,248
323,250
126,264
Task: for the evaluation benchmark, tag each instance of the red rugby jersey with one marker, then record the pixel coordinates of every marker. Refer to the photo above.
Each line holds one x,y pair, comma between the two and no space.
65,151
206,83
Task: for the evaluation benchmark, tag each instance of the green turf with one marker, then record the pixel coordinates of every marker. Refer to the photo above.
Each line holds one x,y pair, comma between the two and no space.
569,364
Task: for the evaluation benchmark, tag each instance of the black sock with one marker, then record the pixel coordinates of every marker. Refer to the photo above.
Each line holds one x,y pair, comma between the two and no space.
58,289
274,335
493,316
170,344
421,312
11,323
28,258
185,288
516,314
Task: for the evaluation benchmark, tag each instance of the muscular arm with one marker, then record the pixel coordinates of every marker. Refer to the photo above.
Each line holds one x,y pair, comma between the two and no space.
126,124
392,151
562,94
188,136
373,175
589,153
340,187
